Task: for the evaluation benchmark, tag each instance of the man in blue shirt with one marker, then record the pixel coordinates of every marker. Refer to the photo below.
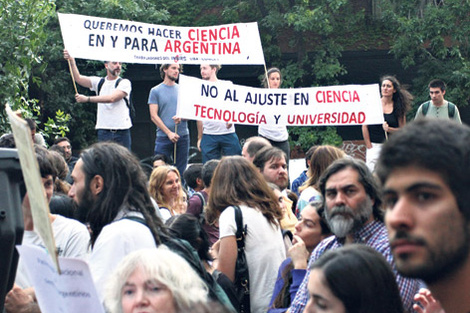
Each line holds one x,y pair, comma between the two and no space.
162,101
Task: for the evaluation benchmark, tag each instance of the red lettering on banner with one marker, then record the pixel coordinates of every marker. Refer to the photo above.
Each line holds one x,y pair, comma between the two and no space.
334,96
196,47
327,118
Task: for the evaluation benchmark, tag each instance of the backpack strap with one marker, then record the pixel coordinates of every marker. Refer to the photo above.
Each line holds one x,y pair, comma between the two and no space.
425,108
135,219
241,231
100,85
451,109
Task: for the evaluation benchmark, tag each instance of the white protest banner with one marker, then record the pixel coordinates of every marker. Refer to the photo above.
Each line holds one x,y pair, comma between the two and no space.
32,177
107,39
317,106
72,291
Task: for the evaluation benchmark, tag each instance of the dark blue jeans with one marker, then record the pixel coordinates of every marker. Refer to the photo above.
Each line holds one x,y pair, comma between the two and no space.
215,146
164,146
121,136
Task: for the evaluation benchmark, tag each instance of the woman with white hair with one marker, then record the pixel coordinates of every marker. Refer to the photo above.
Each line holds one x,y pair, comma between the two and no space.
154,280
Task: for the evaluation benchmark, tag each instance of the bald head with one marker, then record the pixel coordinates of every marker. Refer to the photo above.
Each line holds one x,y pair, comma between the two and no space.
253,145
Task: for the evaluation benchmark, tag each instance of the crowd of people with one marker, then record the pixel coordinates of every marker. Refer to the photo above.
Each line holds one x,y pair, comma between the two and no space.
391,235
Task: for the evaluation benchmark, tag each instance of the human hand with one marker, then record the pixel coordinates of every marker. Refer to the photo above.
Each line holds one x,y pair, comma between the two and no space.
18,301
177,120
173,137
67,56
428,304
81,98
228,125
199,144
298,253
385,126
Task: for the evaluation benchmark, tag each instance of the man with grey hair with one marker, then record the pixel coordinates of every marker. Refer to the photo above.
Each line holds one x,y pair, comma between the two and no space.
351,199
171,130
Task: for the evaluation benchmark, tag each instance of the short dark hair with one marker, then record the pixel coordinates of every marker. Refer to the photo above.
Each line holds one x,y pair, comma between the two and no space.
188,227
45,162
366,178
31,123
440,146
60,139
164,67
208,170
192,173
346,268
309,153
266,154
437,83
160,156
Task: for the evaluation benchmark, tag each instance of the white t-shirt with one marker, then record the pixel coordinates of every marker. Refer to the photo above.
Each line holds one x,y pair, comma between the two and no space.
115,241
273,132
216,127
264,248
71,238
305,196
112,115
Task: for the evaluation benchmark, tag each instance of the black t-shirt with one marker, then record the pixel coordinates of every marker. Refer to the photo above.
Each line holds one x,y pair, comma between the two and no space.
376,131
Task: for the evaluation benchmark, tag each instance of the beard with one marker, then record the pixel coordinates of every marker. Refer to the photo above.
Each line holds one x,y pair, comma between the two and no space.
82,209
343,220
443,258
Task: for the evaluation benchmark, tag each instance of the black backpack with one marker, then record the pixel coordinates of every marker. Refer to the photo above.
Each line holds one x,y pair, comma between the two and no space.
128,99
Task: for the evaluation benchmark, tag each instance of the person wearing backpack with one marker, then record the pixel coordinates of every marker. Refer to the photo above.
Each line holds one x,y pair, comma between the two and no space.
438,107
113,120
198,201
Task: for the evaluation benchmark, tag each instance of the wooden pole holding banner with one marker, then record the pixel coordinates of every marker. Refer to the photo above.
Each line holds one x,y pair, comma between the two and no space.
267,78
73,79
174,151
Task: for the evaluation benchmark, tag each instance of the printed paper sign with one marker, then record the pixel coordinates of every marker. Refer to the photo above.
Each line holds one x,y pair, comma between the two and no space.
32,178
72,291
317,106
97,38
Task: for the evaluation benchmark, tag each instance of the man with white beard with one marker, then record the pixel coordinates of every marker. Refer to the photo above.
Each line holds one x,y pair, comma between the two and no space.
352,202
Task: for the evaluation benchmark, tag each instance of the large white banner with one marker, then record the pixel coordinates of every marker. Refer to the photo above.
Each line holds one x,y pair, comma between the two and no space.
96,38
333,105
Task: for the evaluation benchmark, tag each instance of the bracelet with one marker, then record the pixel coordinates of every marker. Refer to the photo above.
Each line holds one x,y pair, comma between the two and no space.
88,99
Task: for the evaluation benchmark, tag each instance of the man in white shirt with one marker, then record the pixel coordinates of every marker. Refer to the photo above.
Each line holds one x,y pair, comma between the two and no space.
113,120
215,138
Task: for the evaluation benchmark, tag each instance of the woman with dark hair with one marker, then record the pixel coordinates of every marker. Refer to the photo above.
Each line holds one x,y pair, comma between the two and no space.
165,188
236,182
309,231
321,158
276,134
189,228
354,278
396,102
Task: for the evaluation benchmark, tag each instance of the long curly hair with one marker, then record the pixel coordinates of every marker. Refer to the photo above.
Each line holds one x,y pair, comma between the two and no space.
401,98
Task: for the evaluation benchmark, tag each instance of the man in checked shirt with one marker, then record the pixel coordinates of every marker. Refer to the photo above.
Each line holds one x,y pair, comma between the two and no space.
352,209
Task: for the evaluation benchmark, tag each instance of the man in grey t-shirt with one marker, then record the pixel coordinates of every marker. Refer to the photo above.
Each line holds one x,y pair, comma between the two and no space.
171,130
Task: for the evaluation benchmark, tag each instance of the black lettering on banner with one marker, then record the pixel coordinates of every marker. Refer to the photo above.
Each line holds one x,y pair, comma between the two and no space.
207,91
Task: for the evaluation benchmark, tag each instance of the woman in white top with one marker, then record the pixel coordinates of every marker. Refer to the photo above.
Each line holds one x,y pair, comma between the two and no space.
276,134
320,160
236,182
165,188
